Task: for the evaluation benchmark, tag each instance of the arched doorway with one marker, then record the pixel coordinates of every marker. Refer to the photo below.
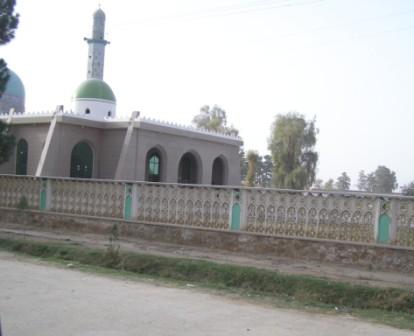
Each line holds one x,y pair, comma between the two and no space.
81,162
22,149
218,176
188,169
153,166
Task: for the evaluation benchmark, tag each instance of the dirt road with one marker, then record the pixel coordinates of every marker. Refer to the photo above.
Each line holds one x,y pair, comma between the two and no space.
41,300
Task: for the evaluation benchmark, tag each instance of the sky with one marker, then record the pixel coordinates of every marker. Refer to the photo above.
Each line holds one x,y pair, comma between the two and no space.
347,63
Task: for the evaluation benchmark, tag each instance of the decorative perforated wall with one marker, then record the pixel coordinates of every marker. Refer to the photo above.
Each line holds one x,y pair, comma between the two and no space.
310,214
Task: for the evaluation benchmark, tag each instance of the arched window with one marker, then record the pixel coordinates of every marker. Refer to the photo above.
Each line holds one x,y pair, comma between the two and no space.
218,176
154,167
188,169
81,162
87,111
21,157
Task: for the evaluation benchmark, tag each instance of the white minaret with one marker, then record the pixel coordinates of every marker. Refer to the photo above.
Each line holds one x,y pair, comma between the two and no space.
97,43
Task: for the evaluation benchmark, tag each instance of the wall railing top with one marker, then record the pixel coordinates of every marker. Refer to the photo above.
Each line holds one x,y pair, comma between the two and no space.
315,193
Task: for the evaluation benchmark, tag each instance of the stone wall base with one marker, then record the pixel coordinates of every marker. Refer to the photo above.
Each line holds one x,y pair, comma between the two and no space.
368,256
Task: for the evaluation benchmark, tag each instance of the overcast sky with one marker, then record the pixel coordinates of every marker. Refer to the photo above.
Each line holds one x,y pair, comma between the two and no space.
348,63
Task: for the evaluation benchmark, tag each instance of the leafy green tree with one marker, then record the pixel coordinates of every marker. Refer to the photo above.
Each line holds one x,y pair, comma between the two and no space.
362,181
7,142
329,185
8,24
264,171
244,165
382,180
8,20
252,158
4,76
371,182
343,182
213,119
292,144
408,189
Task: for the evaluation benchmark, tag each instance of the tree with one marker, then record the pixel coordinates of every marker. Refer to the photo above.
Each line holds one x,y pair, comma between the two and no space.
343,182
213,119
383,179
264,171
8,21
408,189
4,76
318,184
371,182
7,142
8,24
244,165
329,185
292,144
252,157
362,181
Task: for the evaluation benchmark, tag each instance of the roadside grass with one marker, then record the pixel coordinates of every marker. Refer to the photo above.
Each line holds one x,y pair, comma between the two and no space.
394,307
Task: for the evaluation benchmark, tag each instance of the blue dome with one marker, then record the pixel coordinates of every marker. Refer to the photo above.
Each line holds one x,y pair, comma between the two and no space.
14,86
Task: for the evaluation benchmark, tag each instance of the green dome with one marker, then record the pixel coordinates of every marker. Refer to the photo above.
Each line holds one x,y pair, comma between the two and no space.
14,86
94,89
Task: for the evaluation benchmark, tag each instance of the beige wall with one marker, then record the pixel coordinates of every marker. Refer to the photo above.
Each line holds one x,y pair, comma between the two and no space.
107,145
66,136
111,145
35,135
174,147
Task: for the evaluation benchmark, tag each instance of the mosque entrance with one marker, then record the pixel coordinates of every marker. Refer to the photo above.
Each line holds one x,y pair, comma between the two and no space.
188,169
21,157
218,172
81,162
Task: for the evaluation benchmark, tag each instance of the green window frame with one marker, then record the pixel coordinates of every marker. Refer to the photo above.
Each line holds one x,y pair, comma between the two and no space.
154,165
154,168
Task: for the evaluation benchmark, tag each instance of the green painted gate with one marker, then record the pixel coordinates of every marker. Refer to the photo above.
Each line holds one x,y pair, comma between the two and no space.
384,229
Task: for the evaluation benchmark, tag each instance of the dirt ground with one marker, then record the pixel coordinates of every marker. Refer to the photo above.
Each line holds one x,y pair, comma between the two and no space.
283,265
38,299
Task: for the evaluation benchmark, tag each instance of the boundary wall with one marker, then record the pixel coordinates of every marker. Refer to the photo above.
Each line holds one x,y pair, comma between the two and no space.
333,216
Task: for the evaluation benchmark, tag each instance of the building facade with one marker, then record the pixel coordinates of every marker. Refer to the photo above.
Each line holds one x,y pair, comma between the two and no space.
90,141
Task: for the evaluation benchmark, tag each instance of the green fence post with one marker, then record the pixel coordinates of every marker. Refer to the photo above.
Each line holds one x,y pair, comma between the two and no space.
384,229
235,212
43,195
128,201
384,223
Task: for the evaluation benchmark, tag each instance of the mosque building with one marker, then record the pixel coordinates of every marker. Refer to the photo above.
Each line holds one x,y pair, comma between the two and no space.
91,141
